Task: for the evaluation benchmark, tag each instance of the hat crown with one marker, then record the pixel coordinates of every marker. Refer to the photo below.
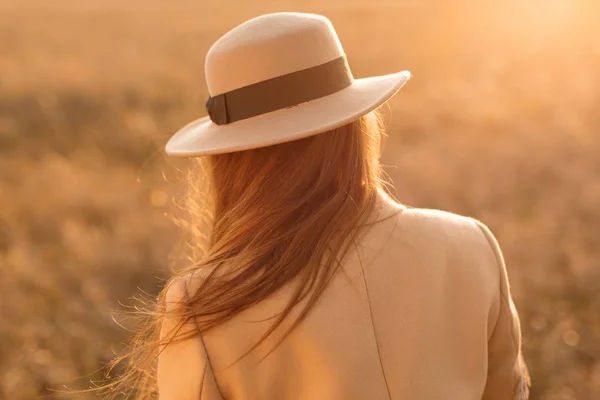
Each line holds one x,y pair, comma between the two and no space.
269,46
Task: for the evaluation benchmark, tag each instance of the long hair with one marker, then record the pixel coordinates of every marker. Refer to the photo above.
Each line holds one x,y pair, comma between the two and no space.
257,220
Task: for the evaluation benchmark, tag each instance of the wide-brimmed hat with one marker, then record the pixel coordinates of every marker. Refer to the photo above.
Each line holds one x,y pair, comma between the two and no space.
277,78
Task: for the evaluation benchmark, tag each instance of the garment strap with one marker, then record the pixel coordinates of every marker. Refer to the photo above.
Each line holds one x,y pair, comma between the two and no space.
207,363
387,387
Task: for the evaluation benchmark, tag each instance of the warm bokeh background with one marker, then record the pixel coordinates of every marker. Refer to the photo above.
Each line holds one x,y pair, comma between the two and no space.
501,122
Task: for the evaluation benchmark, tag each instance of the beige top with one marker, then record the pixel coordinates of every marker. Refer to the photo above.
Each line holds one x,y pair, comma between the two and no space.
430,318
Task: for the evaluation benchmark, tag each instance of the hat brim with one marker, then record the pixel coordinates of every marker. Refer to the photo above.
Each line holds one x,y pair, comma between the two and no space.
203,137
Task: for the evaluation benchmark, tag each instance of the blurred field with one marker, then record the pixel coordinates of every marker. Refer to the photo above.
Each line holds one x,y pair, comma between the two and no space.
501,122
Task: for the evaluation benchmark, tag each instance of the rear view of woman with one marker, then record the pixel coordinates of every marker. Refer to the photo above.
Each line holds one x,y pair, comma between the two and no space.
316,283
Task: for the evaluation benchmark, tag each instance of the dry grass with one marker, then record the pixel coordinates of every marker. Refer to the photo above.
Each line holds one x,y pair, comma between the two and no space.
499,122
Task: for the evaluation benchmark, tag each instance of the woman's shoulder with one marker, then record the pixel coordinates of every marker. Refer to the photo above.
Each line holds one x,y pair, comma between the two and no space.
432,215
444,224
430,219
440,228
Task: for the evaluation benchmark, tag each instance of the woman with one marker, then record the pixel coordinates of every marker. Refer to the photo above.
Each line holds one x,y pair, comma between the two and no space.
316,284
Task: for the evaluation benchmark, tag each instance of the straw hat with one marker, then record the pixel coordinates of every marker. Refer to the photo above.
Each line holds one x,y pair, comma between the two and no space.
277,78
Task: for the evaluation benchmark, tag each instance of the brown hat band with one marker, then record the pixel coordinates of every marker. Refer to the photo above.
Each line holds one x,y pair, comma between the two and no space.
280,92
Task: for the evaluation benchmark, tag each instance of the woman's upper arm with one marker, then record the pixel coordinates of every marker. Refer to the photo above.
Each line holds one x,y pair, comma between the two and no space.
507,373
182,366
